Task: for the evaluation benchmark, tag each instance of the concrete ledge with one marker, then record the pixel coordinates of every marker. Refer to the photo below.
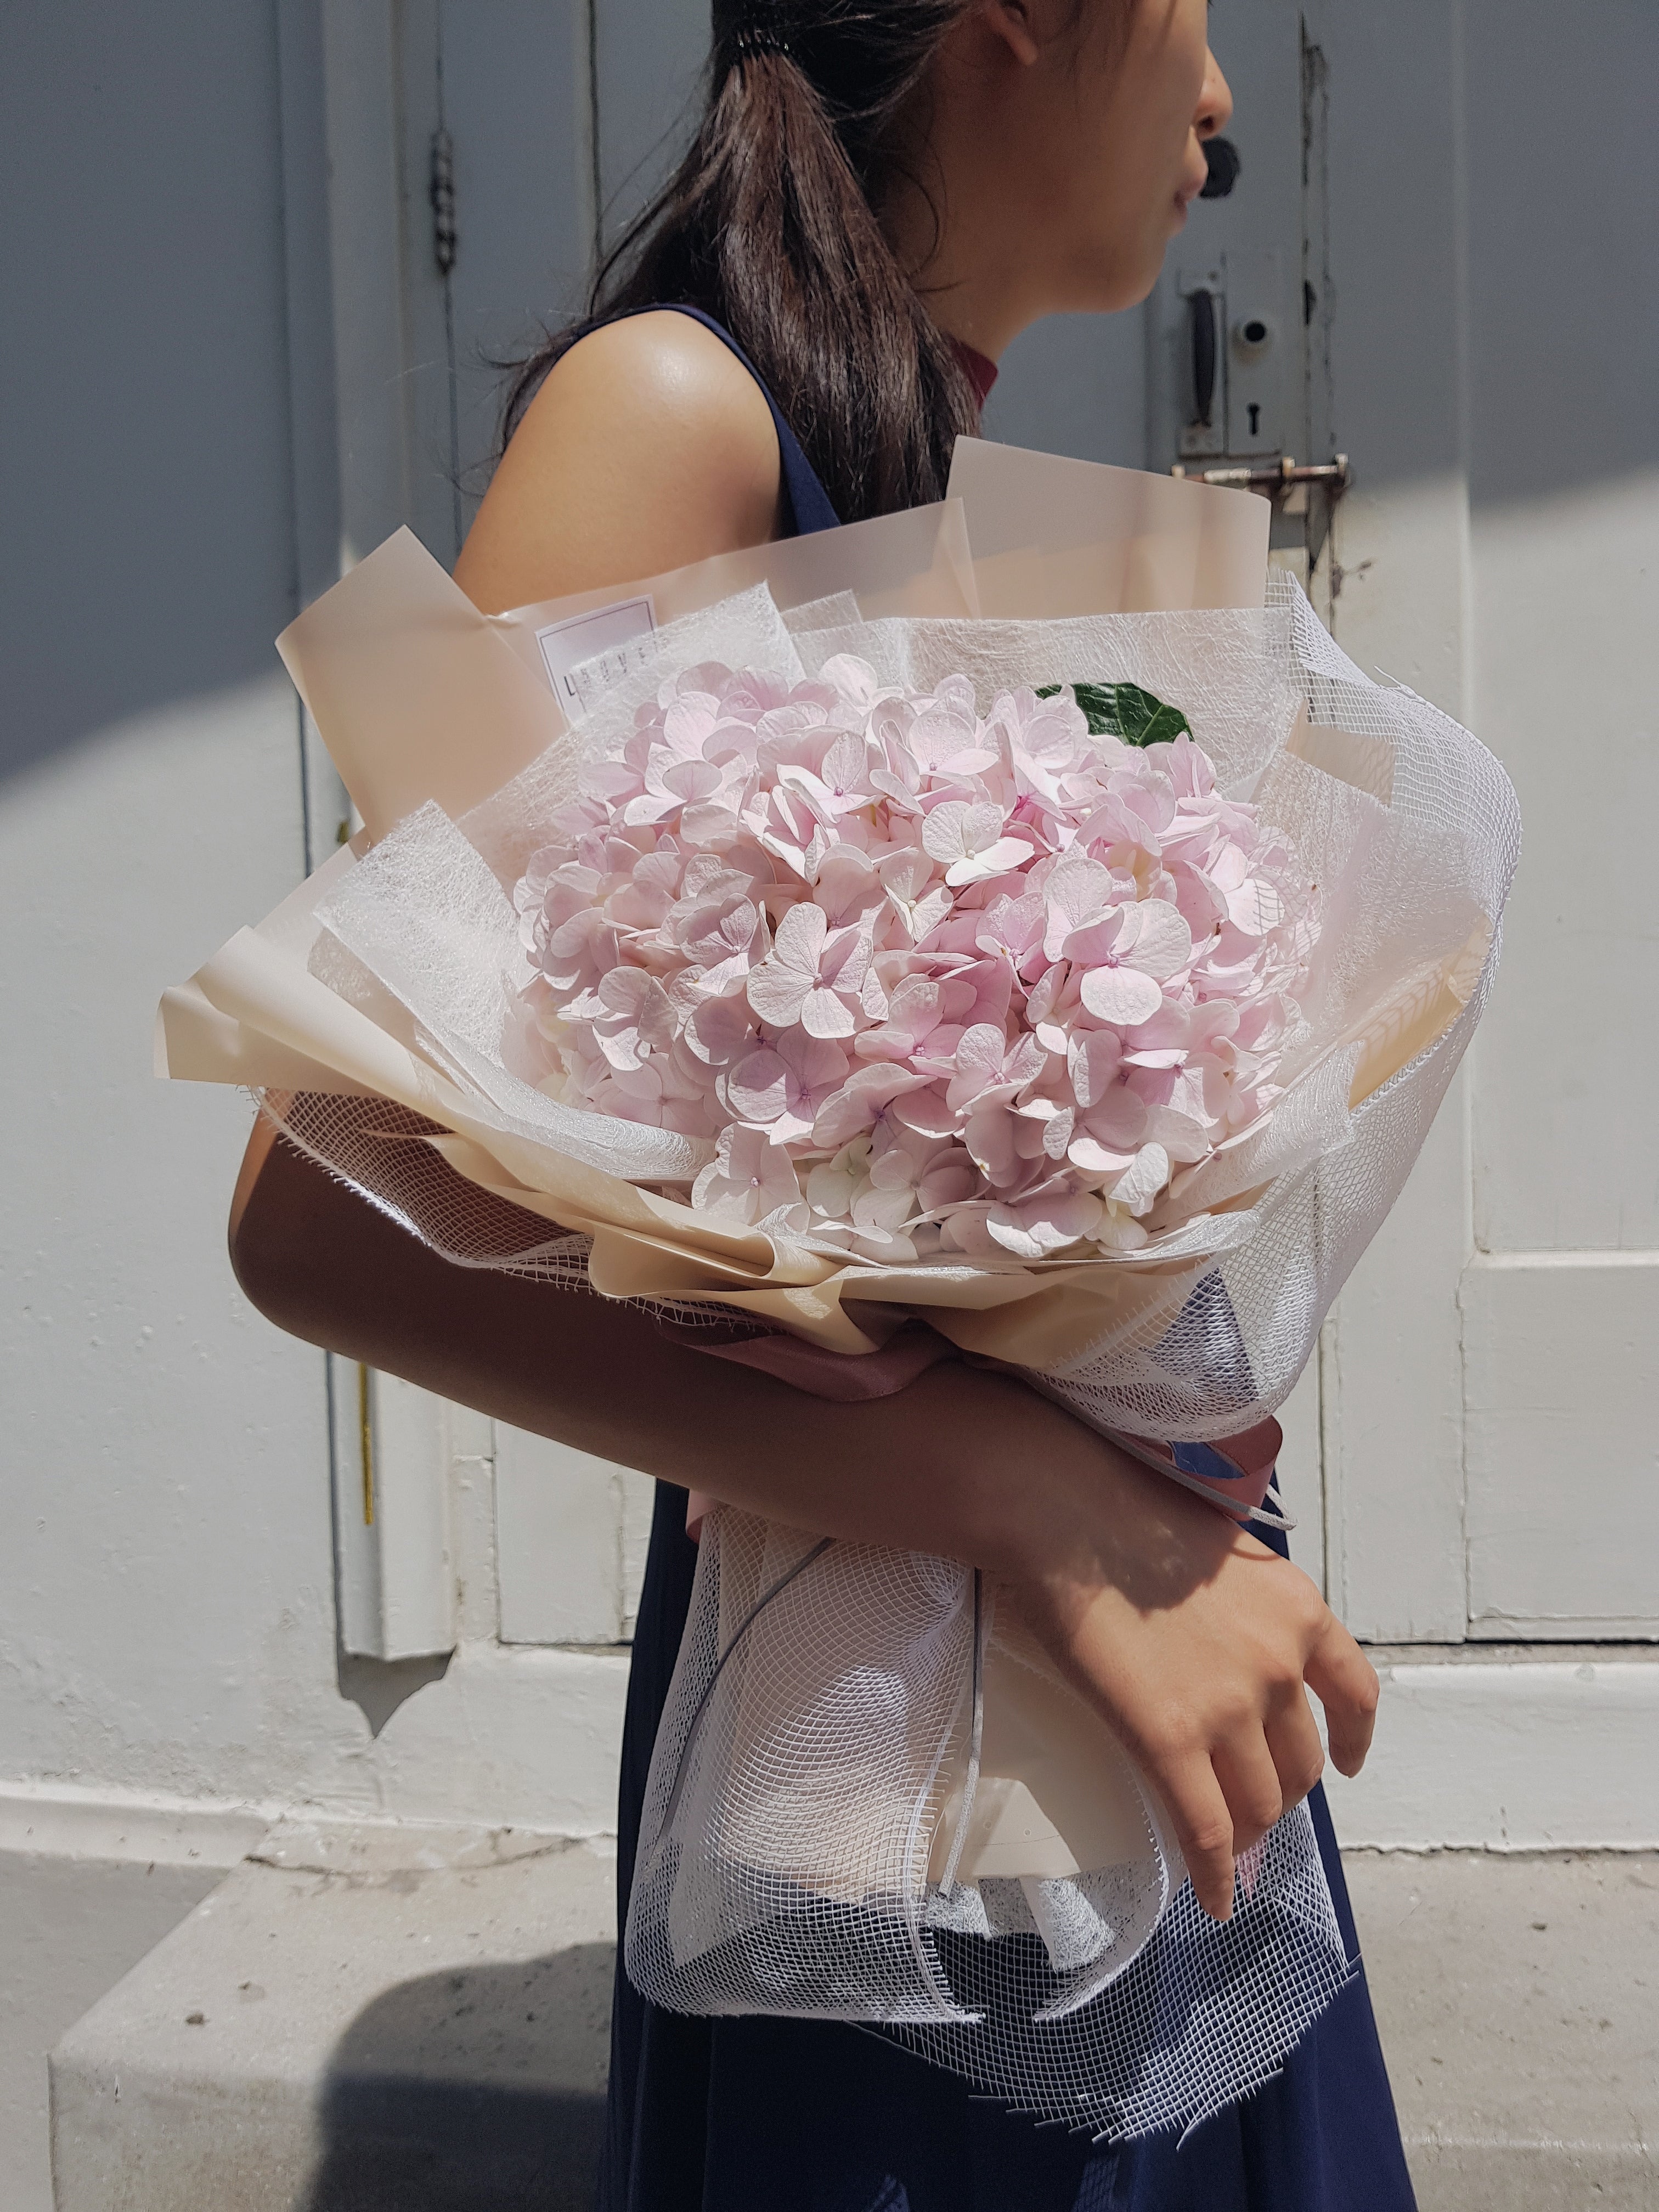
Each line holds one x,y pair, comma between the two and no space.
58,1819
68,1927
352,2042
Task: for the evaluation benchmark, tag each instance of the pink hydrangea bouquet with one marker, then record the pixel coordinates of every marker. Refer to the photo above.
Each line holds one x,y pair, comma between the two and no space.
935,982
836,985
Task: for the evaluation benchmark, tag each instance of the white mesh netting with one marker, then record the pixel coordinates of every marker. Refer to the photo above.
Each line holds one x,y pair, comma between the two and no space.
829,1689
842,1718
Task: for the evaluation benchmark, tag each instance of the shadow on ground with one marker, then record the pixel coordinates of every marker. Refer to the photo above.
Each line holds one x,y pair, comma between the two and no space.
478,2090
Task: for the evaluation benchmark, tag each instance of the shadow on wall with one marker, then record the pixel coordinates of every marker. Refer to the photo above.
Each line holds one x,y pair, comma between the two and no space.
378,1686
144,376
143,365
480,2090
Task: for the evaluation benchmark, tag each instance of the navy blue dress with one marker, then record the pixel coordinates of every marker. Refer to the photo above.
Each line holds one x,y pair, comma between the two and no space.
767,2115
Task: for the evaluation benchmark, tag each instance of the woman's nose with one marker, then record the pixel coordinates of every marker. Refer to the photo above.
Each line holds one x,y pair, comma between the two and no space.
1215,101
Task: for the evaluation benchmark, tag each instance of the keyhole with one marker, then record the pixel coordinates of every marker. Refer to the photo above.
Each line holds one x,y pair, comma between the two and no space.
1256,418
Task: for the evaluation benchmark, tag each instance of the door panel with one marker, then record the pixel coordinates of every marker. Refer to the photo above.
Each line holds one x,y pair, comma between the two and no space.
1562,1353
1076,385
1393,1382
1566,608
1302,1473
570,1534
648,85
1564,470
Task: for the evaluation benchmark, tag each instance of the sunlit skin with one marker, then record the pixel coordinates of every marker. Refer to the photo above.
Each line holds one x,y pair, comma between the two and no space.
1060,154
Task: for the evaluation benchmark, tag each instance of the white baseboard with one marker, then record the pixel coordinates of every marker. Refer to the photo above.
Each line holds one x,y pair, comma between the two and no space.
69,1821
73,1821
1538,1749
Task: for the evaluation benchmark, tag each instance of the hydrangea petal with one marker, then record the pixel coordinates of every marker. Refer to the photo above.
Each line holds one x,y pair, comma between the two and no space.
1123,996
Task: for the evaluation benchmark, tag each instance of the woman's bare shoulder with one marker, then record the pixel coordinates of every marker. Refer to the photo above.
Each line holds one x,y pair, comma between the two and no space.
648,446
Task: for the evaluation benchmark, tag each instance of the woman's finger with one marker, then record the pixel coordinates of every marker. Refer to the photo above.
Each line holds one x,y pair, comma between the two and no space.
1299,1756
1344,1682
1250,1783
1204,1829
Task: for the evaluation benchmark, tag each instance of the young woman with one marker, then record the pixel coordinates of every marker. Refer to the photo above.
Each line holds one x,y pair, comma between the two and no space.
882,194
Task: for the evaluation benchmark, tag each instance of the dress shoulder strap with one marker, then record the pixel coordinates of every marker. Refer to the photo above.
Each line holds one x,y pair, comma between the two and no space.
807,504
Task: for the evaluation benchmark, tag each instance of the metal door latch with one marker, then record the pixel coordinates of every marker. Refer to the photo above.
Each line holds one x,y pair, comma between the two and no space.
1274,476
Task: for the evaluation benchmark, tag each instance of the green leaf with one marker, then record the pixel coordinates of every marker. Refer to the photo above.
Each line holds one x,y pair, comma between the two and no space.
1126,711
1143,719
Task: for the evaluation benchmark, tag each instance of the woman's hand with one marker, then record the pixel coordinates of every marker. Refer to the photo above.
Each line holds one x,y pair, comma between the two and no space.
1195,1642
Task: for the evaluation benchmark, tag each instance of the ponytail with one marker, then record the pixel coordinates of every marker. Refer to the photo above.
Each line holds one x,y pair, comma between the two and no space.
770,226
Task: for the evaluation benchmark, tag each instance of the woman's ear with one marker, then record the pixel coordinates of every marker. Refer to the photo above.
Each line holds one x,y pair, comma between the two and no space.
1010,22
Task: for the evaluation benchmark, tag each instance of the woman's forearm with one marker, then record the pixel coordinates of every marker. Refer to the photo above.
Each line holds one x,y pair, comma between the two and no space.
937,1467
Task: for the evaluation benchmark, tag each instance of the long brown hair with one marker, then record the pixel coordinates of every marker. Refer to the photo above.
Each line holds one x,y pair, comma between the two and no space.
770,225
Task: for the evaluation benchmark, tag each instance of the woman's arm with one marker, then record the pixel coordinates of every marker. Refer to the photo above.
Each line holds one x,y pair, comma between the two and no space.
647,447
1191,1637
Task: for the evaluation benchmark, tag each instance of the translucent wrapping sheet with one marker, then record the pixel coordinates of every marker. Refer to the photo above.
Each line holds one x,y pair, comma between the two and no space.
1058,536
873,1798
794,1855
419,696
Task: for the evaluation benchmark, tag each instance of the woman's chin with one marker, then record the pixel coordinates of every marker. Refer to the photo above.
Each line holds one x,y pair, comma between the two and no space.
1135,283
1107,283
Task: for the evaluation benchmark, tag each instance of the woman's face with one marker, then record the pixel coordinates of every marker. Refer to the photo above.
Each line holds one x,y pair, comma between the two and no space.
1144,94
1068,135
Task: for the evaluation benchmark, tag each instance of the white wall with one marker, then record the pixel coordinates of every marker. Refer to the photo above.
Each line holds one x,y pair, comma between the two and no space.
166,1609
167,1601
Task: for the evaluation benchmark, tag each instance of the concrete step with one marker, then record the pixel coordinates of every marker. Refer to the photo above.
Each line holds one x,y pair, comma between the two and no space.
363,2037
346,2030
68,1927
1518,2001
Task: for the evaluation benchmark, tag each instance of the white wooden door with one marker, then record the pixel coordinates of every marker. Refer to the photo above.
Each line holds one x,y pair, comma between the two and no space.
1491,1453
528,131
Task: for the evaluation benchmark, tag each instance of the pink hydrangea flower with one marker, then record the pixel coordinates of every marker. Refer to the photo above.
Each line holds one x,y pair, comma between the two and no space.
935,983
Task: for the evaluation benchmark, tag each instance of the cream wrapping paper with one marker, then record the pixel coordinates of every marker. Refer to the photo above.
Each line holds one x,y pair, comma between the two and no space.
393,975
914,563
518,1145
1054,537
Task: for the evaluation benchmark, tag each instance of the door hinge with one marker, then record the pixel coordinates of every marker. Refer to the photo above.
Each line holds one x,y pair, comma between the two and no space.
442,193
